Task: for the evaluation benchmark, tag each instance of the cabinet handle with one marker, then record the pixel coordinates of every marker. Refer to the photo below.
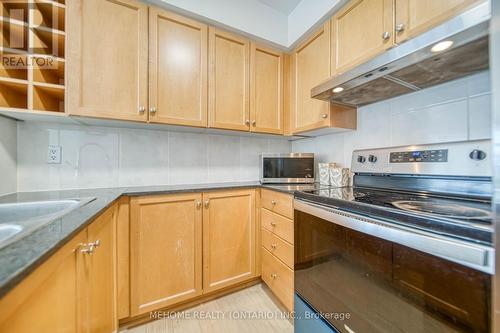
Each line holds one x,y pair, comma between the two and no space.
198,204
273,224
274,276
386,35
254,123
400,27
324,116
273,246
142,109
152,110
207,203
95,244
87,249
273,202
247,122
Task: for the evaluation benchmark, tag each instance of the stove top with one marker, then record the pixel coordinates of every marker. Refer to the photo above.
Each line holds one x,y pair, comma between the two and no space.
452,216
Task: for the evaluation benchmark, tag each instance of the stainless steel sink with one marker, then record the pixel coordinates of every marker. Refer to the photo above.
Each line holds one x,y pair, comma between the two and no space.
21,218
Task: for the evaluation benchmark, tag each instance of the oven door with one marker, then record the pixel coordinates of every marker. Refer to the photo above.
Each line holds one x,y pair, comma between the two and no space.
362,280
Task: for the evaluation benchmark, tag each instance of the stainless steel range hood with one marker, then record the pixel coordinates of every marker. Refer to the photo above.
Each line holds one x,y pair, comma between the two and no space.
412,65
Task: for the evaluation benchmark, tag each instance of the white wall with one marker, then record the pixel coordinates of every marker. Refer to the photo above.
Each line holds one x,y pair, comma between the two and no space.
107,157
455,111
8,156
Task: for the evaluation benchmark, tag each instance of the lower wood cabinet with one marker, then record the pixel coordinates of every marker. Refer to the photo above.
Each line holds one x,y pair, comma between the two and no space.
166,250
228,238
73,291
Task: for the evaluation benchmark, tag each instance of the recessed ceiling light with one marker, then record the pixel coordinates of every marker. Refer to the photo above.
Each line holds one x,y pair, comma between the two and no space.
337,90
441,46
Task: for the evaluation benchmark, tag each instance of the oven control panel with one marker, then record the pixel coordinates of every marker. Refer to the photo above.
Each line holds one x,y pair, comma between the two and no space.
439,155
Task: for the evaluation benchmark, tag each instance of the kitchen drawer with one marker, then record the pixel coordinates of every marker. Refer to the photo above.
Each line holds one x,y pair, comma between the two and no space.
278,277
278,202
278,247
277,224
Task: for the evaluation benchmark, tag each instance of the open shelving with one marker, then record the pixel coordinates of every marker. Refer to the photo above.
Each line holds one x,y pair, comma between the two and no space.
33,41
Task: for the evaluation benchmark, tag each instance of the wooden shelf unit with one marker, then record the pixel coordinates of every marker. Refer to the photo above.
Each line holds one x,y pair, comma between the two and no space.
33,39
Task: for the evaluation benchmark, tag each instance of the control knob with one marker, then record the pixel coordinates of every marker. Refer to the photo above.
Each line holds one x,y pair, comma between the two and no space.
477,155
372,158
361,159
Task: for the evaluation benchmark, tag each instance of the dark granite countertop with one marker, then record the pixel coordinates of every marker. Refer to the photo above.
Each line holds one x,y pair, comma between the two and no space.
21,257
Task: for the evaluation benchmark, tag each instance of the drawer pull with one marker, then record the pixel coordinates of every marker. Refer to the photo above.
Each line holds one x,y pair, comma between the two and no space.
273,224
273,202
274,276
273,246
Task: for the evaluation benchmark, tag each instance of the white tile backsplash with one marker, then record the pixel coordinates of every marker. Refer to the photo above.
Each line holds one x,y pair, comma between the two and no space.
94,156
454,111
8,156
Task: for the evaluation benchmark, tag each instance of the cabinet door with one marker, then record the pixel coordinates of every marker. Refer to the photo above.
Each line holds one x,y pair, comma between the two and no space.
166,250
229,102
415,16
361,30
228,238
178,69
101,310
310,66
266,90
107,58
48,299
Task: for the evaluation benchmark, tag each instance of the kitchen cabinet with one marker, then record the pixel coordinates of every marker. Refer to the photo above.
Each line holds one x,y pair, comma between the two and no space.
178,83
266,90
416,16
310,65
107,43
361,30
229,81
228,238
73,291
166,250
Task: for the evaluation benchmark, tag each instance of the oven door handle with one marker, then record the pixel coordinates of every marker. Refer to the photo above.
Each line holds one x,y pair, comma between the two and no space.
472,255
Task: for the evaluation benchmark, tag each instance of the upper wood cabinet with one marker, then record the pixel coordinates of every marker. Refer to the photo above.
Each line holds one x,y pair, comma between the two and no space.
107,43
416,16
310,65
229,81
228,238
266,90
177,69
166,250
361,30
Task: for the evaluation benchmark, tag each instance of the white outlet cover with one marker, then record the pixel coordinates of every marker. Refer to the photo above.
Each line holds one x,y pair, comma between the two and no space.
54,155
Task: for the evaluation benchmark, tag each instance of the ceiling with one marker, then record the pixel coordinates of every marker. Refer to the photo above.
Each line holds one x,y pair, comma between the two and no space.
284,6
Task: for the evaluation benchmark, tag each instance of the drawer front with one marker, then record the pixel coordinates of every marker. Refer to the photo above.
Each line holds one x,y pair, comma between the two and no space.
278,202
278,277
277,224
278,247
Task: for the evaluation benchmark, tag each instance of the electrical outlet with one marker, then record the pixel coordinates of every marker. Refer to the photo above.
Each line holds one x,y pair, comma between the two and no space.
54,156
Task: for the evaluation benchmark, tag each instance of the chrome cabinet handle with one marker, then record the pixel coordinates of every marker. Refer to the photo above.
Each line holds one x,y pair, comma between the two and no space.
152,110
386,35
273,224
400,27
142,109
273,246
273,202
198,204
324,116
95,244
254,123
274,276
247,122
87,249
207,203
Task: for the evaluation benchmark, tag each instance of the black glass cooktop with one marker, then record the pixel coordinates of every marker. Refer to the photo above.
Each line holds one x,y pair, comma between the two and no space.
453,216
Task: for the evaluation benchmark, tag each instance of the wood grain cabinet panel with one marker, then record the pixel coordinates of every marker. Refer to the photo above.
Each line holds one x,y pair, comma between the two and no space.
413,17
178,69
310,65
266,90
100,275
107,43
278,277
228,238
361,30
229,81
166,250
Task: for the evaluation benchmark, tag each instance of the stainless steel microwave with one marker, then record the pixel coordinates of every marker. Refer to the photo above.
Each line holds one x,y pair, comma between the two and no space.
287,168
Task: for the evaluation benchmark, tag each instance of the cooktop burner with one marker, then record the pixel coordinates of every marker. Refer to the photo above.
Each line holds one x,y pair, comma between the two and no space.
454,216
